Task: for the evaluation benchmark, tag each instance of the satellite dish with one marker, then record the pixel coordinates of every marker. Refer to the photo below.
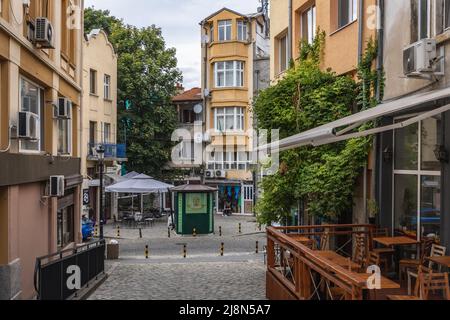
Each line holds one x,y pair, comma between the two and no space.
198,108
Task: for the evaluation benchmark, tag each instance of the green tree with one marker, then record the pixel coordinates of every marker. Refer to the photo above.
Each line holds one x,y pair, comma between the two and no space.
147,78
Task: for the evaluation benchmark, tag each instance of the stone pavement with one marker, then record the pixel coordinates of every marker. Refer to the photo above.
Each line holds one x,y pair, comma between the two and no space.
204,274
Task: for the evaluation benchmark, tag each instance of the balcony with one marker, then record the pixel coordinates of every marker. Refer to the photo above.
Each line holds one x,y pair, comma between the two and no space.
113,152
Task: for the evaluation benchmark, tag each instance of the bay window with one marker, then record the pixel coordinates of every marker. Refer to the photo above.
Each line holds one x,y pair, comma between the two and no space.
229,119
229,160
225,30
229,74
242,34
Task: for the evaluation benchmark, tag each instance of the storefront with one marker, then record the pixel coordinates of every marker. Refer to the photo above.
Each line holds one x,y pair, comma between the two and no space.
236,196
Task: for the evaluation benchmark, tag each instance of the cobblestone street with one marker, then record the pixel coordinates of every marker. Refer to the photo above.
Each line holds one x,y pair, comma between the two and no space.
203,274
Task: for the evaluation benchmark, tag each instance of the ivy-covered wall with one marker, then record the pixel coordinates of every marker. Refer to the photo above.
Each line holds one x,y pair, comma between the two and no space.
321,178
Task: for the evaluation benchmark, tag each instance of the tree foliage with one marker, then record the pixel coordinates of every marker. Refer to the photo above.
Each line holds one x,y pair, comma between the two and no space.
147,78
323,178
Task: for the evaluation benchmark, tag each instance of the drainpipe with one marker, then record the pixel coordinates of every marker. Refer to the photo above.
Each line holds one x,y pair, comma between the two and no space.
290,33
360,30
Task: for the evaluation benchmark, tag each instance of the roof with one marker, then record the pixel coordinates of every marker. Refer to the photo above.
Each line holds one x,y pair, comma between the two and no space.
195,94
140,184
250,16
193,188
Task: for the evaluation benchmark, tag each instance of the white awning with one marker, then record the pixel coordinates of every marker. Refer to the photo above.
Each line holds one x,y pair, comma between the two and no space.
341,130
141,184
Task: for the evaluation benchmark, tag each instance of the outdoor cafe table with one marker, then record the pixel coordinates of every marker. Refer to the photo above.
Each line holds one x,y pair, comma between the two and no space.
396,242
442,261
338,259
302,239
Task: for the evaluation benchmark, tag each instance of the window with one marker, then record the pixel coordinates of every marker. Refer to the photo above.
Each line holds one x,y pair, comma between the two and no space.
309,25
187,150
282,53
187,116
229,74
106,132
420,25
92,132
229,119
65,226
242,31
347,12
32,100
107,87
417,178
229,160
65,135
211,33
93,82
225,30
442,15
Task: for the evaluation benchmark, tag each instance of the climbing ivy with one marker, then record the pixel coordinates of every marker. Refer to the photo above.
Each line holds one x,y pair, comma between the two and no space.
324,177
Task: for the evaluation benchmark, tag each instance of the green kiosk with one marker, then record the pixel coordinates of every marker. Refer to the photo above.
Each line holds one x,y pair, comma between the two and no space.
194,209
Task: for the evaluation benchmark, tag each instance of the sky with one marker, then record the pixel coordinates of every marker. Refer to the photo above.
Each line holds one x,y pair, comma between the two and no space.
179,21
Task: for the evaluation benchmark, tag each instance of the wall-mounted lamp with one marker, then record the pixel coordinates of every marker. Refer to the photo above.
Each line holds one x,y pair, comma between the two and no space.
441,154
388,154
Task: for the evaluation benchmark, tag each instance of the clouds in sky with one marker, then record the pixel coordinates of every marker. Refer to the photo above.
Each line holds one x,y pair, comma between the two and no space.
179,21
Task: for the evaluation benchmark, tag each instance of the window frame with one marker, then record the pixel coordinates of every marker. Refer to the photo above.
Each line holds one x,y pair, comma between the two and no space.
107,87
238,119
352,14
68,137
40,107
237,70
283,39
227,27
242,30
93,82
107,139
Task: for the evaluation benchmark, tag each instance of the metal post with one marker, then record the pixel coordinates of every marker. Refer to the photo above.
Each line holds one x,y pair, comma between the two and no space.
220,231
140,233
168,232
184,251
118,231
257,247
146,252
102,214
240,228
194,232
222,249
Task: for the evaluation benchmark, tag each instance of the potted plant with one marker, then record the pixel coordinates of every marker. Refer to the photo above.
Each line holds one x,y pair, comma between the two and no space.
373,210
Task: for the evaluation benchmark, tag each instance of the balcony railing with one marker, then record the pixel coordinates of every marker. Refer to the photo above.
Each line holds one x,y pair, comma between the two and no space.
112,151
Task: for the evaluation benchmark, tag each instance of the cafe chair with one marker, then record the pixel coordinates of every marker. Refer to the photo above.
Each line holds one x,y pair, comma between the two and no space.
361,252
417,289
425,251
435,282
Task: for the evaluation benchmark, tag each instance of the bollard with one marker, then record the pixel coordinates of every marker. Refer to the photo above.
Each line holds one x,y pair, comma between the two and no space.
240,228
260,228
222,249
146,252
140,233
257,247
96,231
194,232
118,231
220,231
184,251
168,232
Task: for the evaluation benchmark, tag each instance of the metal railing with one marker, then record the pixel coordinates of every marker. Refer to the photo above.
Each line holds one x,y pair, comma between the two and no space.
52,272
112,151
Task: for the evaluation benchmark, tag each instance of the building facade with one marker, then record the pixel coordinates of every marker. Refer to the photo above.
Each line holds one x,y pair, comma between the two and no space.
235,56
414,172
40,125
99,122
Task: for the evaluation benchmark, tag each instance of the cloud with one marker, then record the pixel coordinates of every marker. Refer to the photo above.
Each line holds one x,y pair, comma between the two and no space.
179,21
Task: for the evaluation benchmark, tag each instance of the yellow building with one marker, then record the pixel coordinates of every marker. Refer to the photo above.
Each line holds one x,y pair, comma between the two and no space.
235,55
40,99
348,26
99,120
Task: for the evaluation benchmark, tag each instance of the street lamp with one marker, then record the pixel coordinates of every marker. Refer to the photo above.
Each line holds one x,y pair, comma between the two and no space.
101,157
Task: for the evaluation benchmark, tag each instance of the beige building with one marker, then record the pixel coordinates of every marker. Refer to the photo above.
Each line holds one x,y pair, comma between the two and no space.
99,119
235,55
40,99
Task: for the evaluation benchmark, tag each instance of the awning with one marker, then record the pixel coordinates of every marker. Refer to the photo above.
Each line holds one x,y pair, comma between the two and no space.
141,184
343,129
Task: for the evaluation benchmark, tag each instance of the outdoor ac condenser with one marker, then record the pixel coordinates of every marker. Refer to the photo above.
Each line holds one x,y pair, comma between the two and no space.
419,57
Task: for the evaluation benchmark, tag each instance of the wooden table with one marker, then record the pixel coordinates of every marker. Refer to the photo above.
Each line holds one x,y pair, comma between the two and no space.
395,241
300,238
443,261
338,259
385,282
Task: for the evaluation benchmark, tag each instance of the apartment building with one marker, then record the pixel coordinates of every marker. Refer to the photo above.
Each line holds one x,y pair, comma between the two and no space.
40,100
99,123
347,24
235,56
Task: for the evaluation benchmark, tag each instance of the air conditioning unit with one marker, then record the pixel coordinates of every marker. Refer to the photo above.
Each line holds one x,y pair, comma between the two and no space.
221,174
420,58
28,126
210,174
63,110
43,33
56,186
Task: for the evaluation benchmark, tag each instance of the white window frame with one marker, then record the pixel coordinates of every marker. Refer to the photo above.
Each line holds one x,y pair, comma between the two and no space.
248,192
280,53
39,100
226,27
444,17
419,173
107,140
237,70
107,87
68,136
352,12
419,20
93,82
242,30
312,23
238,115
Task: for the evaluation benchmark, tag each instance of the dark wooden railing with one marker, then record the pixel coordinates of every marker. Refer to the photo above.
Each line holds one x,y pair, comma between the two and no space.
295,269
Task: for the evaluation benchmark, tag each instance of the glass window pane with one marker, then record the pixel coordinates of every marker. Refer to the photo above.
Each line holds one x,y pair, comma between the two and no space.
447,14
431,131
343,13
220,123
407,148
430,209
405,203
423,16
229,125
229,78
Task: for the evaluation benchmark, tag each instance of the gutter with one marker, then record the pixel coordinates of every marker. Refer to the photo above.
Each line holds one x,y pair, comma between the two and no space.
290,52
360,30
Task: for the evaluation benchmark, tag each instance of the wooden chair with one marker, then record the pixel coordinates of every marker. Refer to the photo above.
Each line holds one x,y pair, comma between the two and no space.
417,289
323,242
385,253
436,251
425,251
373,259
435,282
361,252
